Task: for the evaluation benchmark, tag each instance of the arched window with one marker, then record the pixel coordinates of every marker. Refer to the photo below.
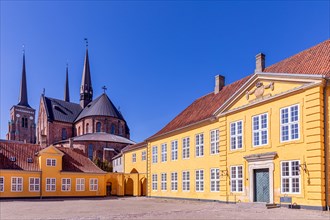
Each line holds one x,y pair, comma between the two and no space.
78,131
90,151
24,122
64,134
120,129
87,128
113,129
98,127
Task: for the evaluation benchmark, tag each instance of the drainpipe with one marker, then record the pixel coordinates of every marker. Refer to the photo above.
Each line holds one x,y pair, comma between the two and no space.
326,144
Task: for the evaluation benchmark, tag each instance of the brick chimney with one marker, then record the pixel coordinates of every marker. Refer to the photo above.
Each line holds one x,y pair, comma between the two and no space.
219,83
260,62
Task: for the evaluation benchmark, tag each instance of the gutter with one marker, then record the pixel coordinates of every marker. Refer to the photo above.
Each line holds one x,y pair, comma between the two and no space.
326,144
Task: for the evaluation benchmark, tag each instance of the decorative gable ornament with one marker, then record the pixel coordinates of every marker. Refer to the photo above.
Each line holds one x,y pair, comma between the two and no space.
259,90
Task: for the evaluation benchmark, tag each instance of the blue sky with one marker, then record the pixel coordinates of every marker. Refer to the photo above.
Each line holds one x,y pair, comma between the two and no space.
155,58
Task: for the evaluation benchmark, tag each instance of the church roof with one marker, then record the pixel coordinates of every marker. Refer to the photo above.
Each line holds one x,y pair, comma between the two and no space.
101,106
59,110
104,137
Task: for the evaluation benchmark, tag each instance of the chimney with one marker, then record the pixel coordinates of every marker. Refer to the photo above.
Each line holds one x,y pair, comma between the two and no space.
260,62
219,83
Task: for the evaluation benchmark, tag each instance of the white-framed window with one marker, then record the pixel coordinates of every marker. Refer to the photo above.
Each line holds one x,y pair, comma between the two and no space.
236,178
199,180
199,145
80,184
164,152
215,180
290,123
134,158
214,140
154,182
2,184
290,177
34,184
51,162
93,184
154,154
163,181
17,184
50,184
174,150
185,181
143,155
174,181
260,129
66,184
186,148
236,135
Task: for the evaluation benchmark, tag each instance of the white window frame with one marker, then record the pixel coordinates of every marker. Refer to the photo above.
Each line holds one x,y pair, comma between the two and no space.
186,148
33,185
50,162
52,184
174,150
80,184
164,152
215,180
236,135
66,184
214,141
185,181
289,123
18,184
174,181
199,180
154,154
154,182
134,158
199,143
260,130
236,179
2,183
290,177
144,155
93,184
163,183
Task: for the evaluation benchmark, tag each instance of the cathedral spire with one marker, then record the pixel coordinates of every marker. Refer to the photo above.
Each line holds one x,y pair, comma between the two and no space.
86,89
23,98
66,89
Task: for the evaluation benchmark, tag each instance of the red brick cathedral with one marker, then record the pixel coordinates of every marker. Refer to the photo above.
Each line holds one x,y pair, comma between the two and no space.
94,126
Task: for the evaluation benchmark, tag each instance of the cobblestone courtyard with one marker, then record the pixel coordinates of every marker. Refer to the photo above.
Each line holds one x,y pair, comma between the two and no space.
145,208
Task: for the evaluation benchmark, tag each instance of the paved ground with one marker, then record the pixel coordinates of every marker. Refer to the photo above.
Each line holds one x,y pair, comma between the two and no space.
145,208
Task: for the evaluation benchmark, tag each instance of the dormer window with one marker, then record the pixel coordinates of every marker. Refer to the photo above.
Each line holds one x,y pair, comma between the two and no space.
51,162
12,159
29,160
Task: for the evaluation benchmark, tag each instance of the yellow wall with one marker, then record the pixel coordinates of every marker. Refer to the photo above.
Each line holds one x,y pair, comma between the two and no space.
140,165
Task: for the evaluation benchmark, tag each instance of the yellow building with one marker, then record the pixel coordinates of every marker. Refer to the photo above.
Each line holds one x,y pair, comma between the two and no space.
264,138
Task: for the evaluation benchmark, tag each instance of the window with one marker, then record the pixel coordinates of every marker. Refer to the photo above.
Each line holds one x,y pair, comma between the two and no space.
2,184
134,157
214,140
144,155
163,181
215,180
236,135
90,151
93,184
64,134
66,184
174,148
87,128
34,184
199,180
50,184
260,129
290,123
79,131
185,148
164,152
98,126
185,181
154,154
80,184
120,129
174,181
199,145
290,177
154,182
51,162
113,129
17,184
236,178
24,122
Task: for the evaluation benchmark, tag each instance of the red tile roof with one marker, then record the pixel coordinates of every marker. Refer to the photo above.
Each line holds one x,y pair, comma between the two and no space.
135,146
315,60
